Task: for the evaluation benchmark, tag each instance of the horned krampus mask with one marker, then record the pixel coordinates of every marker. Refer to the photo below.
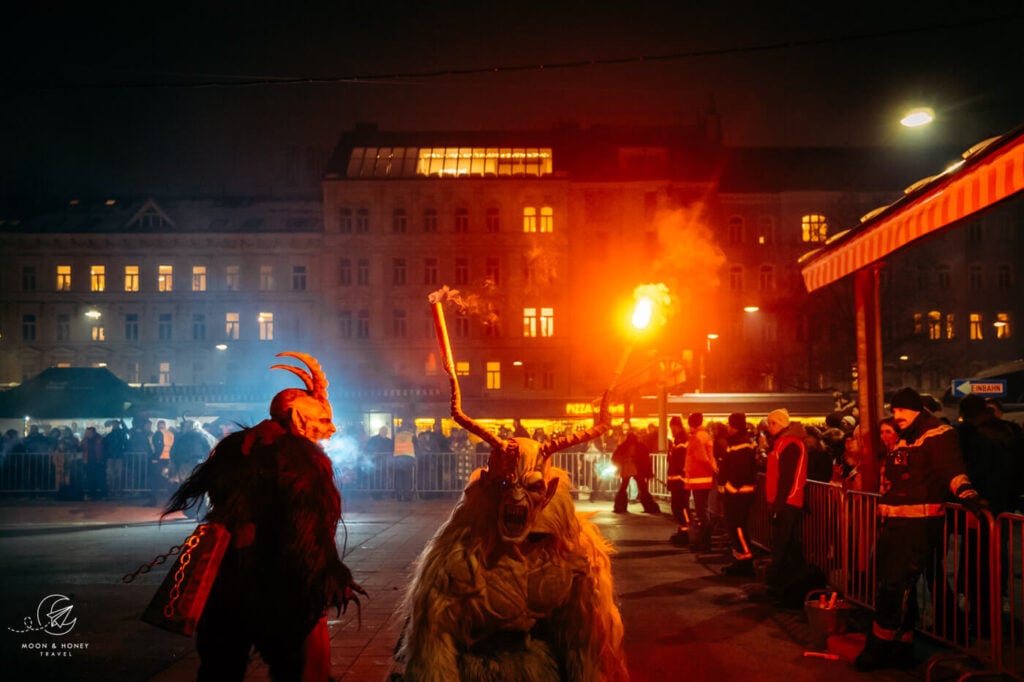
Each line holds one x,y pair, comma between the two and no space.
305,413
518,470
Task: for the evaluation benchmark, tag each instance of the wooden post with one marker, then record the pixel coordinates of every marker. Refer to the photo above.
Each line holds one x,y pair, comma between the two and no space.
869,369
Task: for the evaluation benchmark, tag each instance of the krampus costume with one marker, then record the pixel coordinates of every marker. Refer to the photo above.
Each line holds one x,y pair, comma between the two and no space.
514,586
271,486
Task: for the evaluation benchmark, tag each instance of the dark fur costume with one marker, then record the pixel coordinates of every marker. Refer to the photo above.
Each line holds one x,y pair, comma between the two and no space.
275,493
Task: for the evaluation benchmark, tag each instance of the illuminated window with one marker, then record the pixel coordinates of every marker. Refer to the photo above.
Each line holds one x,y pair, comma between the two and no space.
199,327
232,277
63,327
131,327
345,272
766,277
530,322
363,272
529,219
461,271
362,220
98,278
766,230
63,278
398,221
934,325
492,220
231,326
977,334
493,376
492,271
165,278
98,333
28,278
547,219
814,228
461,368
736,278
164,378
462,324
461,224
547,321
165,327
266,277
735,231
918,324
398,324
430,220
198,278
28,327
266,322
1002,325
950,326
430,271
298,278
542,324
345,221
363,324
398,271
460,162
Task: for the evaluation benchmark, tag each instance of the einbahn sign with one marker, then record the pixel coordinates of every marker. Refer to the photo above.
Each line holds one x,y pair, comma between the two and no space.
985,387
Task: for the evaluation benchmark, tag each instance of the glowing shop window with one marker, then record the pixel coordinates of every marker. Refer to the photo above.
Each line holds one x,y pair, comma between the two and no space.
63,278
198,278
266,321
814,227
98,278
493,376
165,278
131,278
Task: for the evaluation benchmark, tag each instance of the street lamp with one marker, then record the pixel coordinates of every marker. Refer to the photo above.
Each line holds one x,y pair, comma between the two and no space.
915,118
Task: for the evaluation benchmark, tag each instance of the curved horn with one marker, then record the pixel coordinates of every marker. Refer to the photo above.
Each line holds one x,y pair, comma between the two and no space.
601,424
448,361
315,379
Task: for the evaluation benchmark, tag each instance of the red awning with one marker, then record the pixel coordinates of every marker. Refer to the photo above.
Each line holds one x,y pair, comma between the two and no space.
991,172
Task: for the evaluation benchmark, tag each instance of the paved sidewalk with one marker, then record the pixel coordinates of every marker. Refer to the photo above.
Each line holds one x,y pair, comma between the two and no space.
683,619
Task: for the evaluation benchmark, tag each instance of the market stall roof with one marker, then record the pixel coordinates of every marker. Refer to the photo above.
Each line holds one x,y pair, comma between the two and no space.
69,392
991,171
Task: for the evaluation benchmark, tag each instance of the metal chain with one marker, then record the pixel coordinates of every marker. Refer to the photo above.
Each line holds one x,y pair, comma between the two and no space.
179,576
159,560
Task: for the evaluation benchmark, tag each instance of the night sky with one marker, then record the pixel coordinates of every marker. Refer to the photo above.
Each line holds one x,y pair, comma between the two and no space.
110,98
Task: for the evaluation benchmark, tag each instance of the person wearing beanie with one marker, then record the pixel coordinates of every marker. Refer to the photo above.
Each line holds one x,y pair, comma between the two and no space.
923,468
679,496
698,478
738,477
785,477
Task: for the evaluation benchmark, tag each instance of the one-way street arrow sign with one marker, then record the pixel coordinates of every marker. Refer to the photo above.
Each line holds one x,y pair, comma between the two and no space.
989,387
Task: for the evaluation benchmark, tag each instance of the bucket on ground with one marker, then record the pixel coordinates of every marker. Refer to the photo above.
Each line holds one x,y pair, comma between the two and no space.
826,615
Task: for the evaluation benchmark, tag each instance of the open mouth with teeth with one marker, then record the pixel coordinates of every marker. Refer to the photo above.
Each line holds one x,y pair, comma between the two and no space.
513,520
